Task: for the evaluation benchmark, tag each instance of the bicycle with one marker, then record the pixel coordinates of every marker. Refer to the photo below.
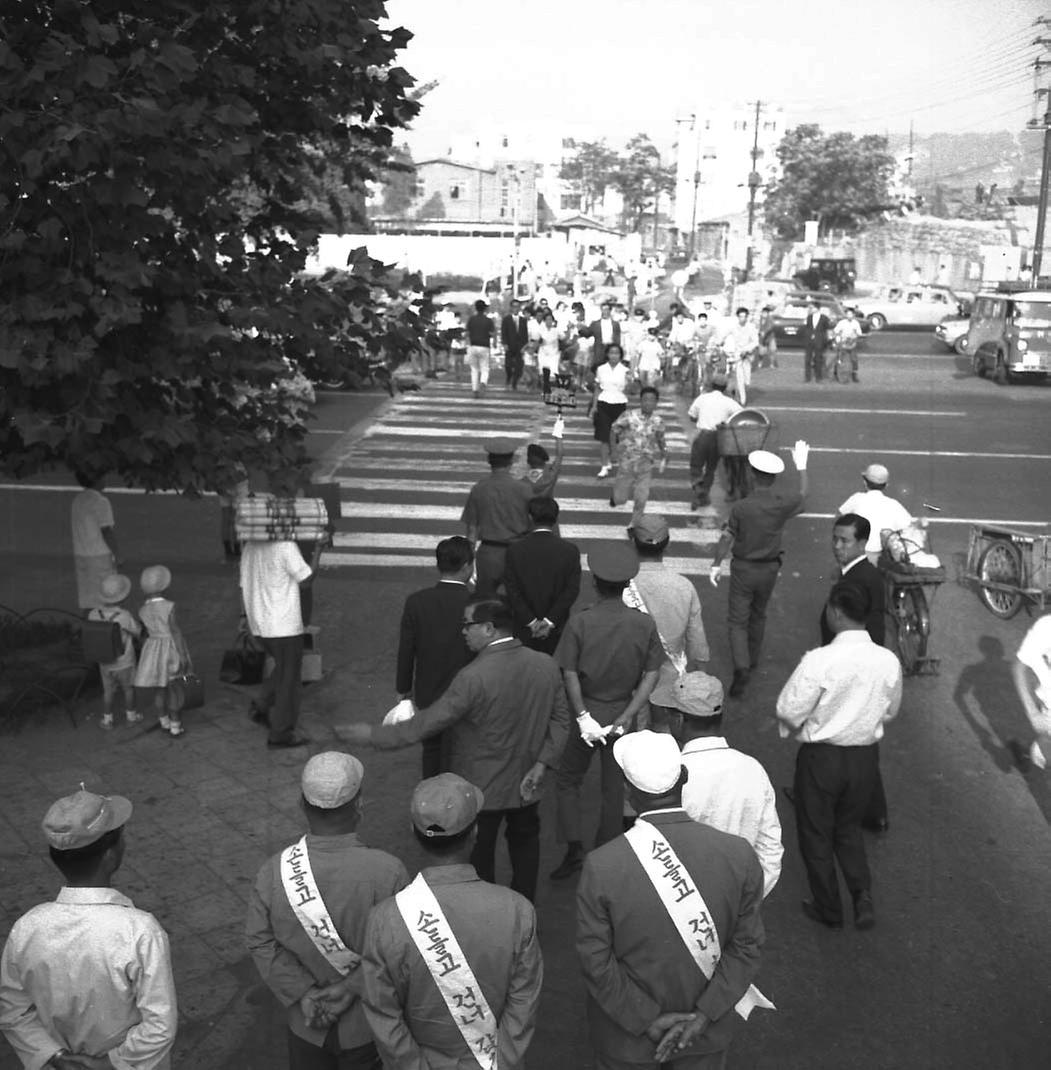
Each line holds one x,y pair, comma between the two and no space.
910,589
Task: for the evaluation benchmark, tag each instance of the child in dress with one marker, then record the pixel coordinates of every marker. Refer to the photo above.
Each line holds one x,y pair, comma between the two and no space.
120,673
651,357
164,653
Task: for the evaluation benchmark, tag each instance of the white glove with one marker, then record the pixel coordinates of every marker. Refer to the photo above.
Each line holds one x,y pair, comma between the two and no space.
591,732
714,573
662,465
1036,755
800,453
559,428
404,711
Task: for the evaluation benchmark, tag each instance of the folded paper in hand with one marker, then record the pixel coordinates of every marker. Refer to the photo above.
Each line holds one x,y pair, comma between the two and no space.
404,711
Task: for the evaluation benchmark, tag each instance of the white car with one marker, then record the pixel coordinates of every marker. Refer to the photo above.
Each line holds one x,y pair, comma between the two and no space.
952,332
908,306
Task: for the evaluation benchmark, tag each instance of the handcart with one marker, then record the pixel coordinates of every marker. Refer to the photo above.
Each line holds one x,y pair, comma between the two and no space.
744,432
1010,568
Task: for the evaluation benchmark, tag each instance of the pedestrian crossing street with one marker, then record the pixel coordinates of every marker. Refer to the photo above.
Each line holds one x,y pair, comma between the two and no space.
404,482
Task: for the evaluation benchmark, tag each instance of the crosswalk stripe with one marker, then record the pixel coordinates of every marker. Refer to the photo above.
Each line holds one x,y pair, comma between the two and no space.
416,511
345,540
440,485
687,566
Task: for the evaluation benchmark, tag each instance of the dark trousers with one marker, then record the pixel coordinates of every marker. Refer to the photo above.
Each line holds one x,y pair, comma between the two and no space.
302,1055
877,808
833,786
570,778
281,689
435,756
751,585
523,845
513,366
489,567
714,1060
704,460
813,361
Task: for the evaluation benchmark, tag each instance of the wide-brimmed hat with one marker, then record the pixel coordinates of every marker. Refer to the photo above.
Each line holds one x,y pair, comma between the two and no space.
80,819
155,579
114,588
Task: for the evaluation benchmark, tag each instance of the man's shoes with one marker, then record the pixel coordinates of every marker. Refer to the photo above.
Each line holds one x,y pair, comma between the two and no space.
474,393
603,471
879,825
864,912
569,865
810,909
258,714
285,742
740,682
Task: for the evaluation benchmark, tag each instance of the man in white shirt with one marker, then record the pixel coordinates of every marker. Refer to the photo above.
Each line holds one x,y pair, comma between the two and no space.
727,789
836,703
709,409
882,513
1031,670
86,981
95,552
271,573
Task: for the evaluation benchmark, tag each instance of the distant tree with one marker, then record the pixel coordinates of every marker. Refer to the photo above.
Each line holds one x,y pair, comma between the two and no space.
641,178
432,208
592,170
165,166
837,179
398,183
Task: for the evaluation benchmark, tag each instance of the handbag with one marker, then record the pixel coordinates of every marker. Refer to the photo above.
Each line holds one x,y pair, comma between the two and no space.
243,662
186,690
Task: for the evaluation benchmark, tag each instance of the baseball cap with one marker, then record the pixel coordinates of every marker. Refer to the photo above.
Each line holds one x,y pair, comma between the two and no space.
80,819
445,805
876,473
331,779
615,562
650,760
650,529
500,447
694,693
765,461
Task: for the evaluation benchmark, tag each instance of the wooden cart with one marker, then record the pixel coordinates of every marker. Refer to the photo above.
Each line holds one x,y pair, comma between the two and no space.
1010,567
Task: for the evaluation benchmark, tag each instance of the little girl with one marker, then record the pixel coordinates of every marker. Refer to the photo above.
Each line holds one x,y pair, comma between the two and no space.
164,653
651,357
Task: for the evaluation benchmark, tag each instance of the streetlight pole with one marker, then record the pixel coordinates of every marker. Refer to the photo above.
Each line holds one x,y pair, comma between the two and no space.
513,176
753,189
696,188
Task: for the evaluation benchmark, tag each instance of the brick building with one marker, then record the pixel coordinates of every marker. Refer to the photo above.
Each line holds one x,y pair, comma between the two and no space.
465,193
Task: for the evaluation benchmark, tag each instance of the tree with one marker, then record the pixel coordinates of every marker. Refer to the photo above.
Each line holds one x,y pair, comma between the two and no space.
641,179
835,178
432,208
591,169
156,160
399,188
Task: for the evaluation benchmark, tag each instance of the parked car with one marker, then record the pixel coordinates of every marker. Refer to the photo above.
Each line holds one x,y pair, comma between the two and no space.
952,332
909,306
788,318
831,274
1010,335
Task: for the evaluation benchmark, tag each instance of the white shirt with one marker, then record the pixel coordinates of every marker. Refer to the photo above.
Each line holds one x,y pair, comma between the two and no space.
1035,654
89,973
605,327
841,693
731,792
91,512
612,383
881,512
712,408
271,573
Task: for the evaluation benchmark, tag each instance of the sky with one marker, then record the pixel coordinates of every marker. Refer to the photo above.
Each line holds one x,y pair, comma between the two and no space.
607,68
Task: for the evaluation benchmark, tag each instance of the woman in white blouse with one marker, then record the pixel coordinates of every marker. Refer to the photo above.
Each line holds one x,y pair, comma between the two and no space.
548,352
609,396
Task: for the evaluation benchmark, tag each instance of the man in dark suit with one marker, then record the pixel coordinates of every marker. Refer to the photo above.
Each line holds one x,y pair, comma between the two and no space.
542,577
605,331
815,334
514,333
431,650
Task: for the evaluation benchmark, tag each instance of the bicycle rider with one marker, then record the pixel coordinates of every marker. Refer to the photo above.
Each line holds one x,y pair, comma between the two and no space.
845,336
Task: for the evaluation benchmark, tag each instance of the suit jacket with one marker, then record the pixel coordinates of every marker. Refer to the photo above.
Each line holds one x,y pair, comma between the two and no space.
634,961
431,650
865,575
598,354
542,577
817,335
515,337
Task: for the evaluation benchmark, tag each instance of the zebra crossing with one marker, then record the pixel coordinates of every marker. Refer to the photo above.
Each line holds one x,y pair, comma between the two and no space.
403,482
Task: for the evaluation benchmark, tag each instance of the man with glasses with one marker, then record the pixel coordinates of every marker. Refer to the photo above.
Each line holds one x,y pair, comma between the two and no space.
507,721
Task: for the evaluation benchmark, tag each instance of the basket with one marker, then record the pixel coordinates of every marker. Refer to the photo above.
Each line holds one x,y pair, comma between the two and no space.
744,432
281,519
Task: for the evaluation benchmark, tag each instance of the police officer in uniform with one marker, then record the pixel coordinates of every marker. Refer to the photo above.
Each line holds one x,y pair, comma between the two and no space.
496,513
753,532
610,656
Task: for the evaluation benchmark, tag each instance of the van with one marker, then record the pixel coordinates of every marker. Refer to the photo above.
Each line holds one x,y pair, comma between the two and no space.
1010,335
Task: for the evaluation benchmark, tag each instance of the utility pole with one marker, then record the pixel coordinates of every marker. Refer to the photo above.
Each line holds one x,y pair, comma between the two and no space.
1045,173
911,148
753,189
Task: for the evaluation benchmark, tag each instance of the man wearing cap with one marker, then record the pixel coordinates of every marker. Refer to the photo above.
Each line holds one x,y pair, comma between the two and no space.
709,409
496,513
669,598
305,926
727,789
836,704
542,576
669,931
452,964
882,512
431,650
86,981
753,533
506,719
610,657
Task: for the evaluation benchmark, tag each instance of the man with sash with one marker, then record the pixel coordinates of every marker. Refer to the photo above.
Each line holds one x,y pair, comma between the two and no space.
669,598
452,964
668,926
306,920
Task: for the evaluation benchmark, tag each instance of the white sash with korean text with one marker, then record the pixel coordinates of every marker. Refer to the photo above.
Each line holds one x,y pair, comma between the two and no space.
633,599
433,936
682,899
305,900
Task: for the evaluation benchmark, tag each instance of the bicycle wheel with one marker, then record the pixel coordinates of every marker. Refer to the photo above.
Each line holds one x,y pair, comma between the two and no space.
1001,563
912,621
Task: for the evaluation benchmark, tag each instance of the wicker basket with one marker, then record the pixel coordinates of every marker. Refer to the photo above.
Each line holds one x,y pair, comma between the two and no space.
745,431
